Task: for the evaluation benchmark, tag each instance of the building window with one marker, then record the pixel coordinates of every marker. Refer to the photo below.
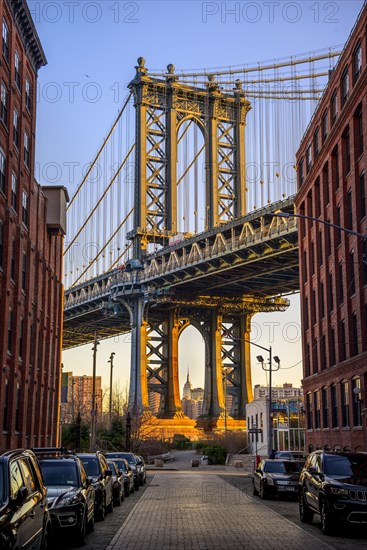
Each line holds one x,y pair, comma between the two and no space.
341,286
304,266
345,403
355,334
313,307
1,244
6,406
325,408
17,69
24,271
334,406
335,167
300,172
17,409
10,330
362,193
332,347
328,241
16,128
358,124
316,145
321,254
343,343
14,191
312,257
346,152
308,158
5,48
317,411
364,262
352,284
324,127
331,300
21,338
338,222
323,352
309,410
357,62
307,325
344,86
325,182
4,103
307,360
26,149
28,95
334,107
12,261
25,208
322,301
350,210
2,171
357,401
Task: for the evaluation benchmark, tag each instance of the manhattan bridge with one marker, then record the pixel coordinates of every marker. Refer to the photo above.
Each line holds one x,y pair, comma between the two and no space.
172,226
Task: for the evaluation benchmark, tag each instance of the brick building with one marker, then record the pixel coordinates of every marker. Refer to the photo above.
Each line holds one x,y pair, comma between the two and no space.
32,221
331,165
76,397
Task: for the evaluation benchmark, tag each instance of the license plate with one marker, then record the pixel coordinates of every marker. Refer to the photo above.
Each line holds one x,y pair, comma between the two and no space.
290,488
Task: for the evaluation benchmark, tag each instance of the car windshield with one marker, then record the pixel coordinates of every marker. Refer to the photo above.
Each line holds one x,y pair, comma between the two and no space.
121,465
112,466
59,473
127,456
91,466
354,465
281,467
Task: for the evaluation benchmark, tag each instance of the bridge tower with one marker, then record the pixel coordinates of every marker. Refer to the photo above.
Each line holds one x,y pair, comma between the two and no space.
162,105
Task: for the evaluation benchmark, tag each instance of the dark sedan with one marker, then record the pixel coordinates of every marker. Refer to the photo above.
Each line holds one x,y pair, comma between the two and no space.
127,473
132,460
101,477
117,483
276,477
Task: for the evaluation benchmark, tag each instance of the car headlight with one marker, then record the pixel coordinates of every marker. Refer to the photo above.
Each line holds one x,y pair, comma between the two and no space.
270,481
339,491
69,500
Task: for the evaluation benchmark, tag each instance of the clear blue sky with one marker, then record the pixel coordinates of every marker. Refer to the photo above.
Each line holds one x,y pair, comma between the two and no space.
92,48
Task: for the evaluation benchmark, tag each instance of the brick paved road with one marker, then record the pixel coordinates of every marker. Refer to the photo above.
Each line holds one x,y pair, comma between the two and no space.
184,511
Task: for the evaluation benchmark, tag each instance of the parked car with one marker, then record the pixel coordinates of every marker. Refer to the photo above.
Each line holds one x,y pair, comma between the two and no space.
70,495
142,471
334,486
276,477
117,483
132,460
24,515
127,473
101,478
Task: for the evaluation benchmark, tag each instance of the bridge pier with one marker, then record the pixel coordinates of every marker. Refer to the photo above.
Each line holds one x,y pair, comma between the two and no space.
138,395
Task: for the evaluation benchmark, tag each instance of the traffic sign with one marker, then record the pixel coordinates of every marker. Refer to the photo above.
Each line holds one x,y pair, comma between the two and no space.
255,431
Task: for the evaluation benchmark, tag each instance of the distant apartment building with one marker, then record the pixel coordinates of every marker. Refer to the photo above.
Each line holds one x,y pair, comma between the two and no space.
332,182
285,391
76,397
32,225
154,401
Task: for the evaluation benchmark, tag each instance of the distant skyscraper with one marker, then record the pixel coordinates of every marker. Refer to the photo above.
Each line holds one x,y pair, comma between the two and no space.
186,394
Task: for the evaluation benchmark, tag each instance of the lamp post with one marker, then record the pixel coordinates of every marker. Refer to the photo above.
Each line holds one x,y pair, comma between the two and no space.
270,370
110,407
324,222
128,431
94,412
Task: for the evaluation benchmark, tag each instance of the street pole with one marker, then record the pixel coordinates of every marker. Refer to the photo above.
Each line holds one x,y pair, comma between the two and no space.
270,418
94,412
225,403
110,408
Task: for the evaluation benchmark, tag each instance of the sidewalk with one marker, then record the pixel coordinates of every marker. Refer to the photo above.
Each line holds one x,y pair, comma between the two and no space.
181,511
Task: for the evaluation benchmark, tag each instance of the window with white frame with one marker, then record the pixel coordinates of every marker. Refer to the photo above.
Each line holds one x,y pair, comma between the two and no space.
16,128
5,47
2,171
4,103
17,69
26,149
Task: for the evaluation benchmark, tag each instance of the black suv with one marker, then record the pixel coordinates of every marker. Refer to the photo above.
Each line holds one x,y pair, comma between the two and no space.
101,477
24,516
133,463
334,485
142,471
70,495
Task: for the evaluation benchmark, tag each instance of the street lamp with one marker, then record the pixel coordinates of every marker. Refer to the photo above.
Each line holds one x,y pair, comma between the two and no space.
111,362
94,412
260,359
330,224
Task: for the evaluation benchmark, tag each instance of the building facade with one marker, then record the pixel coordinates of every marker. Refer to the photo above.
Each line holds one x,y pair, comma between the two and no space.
76,397
31,229
331,165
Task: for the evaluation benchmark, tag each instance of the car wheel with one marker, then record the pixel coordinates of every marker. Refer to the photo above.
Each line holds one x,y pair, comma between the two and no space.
305,514
254,490
263,492
82,533
45,539
127,491
145,480
327,524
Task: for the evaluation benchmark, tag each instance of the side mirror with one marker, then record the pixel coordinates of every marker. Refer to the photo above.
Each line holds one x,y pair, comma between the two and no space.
108,473
139,462
314,471
88,481
21,496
